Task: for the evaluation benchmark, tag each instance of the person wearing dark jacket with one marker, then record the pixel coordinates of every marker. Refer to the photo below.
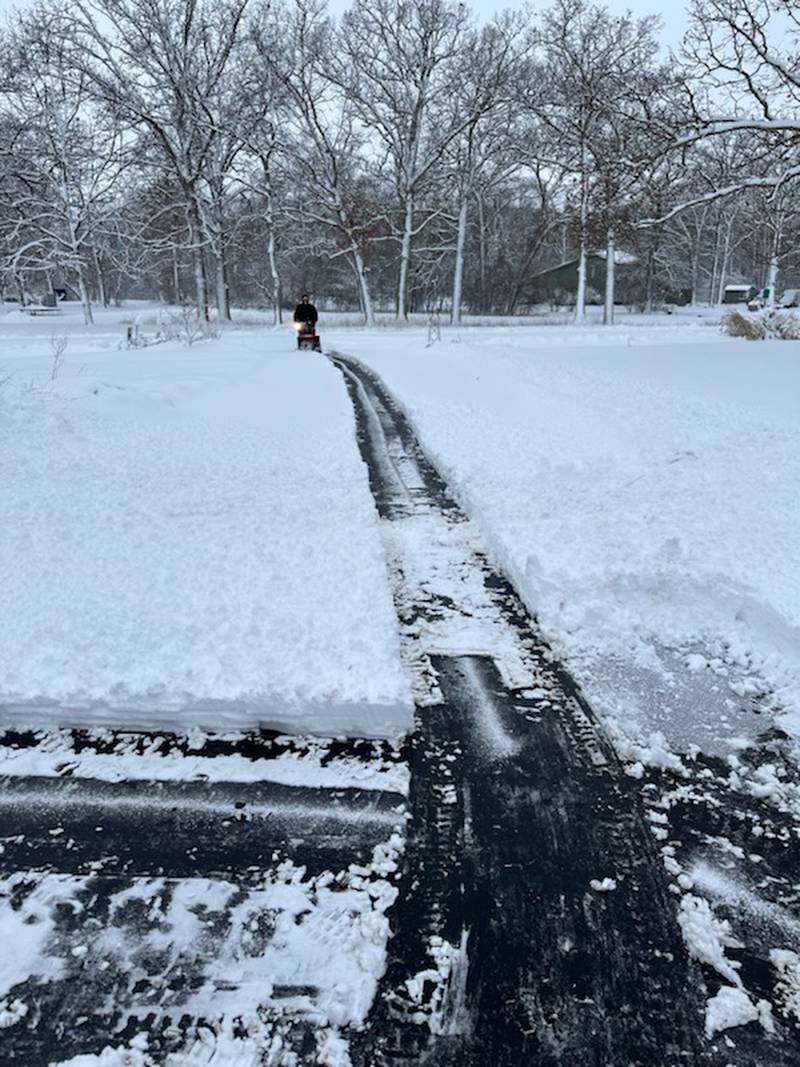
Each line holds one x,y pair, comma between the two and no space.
306,313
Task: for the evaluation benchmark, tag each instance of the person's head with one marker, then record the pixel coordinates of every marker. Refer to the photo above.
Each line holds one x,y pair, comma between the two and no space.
304,298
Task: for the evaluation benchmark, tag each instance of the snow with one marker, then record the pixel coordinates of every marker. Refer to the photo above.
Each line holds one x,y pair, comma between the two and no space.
706,937
113,1056
730,1007
640,488
787,964
314,764
620,256
603,885
770,918
290,946
188,538
437,994
28,928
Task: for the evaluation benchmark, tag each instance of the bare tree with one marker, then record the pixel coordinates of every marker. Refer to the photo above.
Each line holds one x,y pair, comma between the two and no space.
481,152
66,160
590,60
400,62
161,64
326,142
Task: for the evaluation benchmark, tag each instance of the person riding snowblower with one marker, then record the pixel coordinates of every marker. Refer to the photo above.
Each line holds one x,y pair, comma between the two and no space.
305,322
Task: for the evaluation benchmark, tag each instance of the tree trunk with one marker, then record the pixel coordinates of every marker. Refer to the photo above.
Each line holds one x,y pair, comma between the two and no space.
176,278
363,287
223,306
277,313
722,275
580,296
608,310
482,229
458,273
774,263
195,239
405,259
273,264
695,271
101,282
75,247
772,279
712,283
83,291
650,278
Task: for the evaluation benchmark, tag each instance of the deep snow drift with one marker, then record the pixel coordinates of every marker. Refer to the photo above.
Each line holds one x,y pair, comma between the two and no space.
641,487
188,538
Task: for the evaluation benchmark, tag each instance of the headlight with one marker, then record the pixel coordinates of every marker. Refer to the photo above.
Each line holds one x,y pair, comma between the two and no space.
297,325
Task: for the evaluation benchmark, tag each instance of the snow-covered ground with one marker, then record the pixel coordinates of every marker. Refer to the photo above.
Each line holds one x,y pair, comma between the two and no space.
188,537
641,488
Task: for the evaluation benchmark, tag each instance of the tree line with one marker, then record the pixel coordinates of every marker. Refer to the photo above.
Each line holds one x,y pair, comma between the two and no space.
404,156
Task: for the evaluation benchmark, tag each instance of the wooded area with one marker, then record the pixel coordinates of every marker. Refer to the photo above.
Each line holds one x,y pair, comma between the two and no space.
404,157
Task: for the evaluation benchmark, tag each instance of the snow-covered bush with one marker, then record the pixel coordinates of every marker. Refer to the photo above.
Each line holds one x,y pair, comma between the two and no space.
184,324
779,323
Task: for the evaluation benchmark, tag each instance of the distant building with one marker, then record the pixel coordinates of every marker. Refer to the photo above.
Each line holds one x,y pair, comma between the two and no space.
738,293
559,284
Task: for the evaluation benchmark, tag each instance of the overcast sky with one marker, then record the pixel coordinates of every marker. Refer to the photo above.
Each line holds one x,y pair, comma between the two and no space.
674,19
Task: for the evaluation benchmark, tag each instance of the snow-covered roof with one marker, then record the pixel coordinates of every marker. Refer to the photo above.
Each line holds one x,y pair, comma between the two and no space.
739,287
619,256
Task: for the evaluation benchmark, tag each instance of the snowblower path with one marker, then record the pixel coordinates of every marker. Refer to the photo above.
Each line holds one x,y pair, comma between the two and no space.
535,922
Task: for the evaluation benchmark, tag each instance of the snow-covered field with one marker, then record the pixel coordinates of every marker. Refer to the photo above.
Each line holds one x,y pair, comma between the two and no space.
641,488
188,537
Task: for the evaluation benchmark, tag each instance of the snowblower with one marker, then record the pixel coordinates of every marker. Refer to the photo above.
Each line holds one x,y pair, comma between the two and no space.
307,336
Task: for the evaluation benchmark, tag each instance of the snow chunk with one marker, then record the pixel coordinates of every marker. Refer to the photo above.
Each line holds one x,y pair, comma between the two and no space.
787,964
706,936
730,1007
605,885
134,1055
12,1012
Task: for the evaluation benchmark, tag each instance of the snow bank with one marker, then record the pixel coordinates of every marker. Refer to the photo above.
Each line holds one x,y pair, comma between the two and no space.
188,538
640,487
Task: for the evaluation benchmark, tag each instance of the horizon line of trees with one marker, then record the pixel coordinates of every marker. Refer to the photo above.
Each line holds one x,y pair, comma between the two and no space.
405,156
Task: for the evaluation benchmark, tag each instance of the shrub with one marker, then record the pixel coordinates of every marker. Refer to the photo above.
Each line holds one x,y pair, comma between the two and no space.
735,324
780,323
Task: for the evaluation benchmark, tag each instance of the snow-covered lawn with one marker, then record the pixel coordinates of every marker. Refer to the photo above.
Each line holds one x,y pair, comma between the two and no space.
642,489
188,537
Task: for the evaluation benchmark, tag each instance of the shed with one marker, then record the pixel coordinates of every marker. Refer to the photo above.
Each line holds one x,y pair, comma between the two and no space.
738,293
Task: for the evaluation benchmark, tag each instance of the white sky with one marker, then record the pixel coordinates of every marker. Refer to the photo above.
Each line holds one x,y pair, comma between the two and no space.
674,19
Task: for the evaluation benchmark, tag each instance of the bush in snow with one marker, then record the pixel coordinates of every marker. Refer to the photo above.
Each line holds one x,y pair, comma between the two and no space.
735,324
781,323
771,322
184,324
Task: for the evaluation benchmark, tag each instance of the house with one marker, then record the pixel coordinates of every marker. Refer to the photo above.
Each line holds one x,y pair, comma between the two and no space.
738,293
559,284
